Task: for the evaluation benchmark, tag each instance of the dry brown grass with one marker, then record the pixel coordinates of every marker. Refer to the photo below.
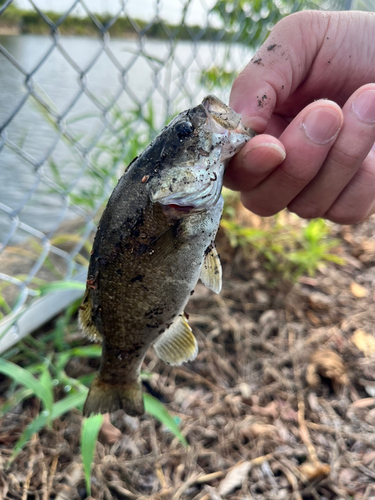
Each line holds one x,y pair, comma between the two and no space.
274,407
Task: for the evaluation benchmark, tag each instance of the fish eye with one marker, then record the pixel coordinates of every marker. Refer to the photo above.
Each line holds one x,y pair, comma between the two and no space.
184,129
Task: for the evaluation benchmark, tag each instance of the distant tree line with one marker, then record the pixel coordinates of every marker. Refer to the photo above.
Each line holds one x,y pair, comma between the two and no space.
29,21
243,21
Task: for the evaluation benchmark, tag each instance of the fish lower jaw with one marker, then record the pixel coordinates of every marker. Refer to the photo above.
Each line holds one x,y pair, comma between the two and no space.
174,211
180,208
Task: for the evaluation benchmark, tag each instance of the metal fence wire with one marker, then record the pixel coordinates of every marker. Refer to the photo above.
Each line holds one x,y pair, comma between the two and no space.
81,93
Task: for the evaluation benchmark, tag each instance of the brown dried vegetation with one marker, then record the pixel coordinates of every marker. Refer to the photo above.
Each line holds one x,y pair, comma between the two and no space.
275,406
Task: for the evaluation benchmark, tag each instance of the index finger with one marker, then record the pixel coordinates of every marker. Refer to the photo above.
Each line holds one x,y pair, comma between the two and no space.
278,68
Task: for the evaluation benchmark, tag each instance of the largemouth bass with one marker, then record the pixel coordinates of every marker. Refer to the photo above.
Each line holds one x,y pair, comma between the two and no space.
154,241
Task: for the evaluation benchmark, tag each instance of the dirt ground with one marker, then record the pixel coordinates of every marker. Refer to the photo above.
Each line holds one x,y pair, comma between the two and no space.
279,404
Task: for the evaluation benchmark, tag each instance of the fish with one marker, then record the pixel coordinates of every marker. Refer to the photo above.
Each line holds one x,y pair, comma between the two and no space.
154,241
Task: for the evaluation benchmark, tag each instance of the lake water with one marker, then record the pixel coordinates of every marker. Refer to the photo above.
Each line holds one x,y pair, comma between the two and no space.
31,190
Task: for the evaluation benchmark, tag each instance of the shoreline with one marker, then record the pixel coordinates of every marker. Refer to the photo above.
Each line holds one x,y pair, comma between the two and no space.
17,31
15,21
9,30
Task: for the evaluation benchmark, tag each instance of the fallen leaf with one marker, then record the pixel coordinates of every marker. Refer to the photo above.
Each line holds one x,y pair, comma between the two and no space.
363,403
358,290
307,280
258,429
313,471
313,318
234,478
109,434
245,391
320,301
365,342
370,389
270,410
328,364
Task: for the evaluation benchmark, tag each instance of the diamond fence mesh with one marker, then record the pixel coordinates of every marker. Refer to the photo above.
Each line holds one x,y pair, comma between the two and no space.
81,93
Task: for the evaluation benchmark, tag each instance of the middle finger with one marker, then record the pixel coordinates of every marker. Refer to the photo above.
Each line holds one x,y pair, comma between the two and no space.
351,147
307,140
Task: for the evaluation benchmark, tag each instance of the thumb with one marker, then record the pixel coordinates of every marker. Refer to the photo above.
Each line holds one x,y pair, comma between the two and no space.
278,68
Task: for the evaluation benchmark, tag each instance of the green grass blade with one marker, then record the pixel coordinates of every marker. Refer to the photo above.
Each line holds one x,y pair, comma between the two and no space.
159,411
59,408
89,351
90,430
35,426
46,381
23,377
57,286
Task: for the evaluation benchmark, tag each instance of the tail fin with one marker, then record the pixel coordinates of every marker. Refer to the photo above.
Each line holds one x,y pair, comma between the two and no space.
104,397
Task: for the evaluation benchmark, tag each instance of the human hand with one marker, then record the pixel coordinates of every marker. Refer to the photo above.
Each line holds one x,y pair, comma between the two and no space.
329,167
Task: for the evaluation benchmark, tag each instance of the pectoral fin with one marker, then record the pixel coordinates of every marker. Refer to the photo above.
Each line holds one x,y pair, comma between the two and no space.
211,273
178,343
85,319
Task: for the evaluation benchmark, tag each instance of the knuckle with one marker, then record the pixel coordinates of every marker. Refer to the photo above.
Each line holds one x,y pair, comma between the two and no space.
295,176
344,220
297,18
240,82
257,208
306,210
356,200
345,159
343,215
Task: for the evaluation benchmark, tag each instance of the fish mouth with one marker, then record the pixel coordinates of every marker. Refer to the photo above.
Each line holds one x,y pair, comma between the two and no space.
224,117
180,208
222,114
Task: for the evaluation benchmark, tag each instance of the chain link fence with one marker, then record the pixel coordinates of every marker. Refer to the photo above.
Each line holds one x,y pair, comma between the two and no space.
81,93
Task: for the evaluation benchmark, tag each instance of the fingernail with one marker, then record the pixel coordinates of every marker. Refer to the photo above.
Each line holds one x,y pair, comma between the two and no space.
322,125
364,106
269,145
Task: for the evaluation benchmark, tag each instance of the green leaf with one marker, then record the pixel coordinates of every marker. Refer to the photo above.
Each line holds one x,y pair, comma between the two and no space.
89,351
46,381
90,430
22,376
155,408
56,286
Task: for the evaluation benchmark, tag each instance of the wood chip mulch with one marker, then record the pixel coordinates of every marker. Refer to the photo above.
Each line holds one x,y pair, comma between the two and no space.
279,404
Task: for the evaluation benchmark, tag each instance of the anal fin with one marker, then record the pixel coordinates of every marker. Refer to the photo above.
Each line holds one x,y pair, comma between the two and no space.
211,273
177,344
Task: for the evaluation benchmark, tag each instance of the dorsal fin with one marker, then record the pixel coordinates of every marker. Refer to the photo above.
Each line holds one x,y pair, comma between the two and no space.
211,273
178,343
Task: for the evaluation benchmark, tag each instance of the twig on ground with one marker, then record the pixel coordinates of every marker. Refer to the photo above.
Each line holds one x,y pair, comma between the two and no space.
30,469
52,473
189,482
